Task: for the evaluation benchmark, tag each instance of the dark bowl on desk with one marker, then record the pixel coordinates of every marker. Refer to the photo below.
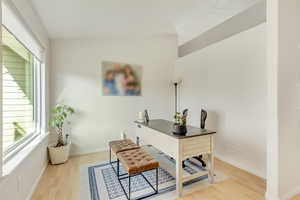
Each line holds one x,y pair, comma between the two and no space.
179,129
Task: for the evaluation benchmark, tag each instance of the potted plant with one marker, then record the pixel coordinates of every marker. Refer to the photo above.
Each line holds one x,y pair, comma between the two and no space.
179,126
59,152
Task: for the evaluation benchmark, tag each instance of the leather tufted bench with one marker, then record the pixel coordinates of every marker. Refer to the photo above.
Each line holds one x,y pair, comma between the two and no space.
118,146
135,162
122,145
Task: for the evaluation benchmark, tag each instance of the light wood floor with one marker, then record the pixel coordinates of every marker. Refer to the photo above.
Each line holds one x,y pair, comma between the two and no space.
61,182
296,197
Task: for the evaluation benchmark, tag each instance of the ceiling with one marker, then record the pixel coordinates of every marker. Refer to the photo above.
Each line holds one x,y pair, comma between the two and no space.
95,18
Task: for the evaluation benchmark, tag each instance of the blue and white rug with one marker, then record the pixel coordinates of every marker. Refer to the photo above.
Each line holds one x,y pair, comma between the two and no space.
99,182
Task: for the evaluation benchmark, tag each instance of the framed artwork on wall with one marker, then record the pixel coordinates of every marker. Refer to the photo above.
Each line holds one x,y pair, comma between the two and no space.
121,79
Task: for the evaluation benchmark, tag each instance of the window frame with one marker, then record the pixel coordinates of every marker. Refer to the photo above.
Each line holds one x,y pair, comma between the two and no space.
37,105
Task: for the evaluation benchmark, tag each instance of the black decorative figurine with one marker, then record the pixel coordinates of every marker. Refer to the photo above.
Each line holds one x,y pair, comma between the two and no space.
203,118
146,116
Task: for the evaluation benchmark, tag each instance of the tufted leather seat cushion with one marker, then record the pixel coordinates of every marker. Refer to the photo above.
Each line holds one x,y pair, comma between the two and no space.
122,145
137,161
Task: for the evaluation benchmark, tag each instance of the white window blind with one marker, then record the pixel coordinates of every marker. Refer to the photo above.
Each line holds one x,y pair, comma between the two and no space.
14,23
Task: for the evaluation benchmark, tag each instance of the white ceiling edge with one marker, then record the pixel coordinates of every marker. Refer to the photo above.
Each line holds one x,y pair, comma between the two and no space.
250,17
189,31
118,37
69,19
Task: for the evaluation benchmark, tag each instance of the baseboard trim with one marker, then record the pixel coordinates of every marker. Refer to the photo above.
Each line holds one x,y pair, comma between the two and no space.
292,193
79,153
36,183
269,196
240,165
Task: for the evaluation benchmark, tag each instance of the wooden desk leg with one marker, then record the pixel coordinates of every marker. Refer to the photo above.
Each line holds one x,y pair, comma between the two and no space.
212,162
179,177
179,172
211,172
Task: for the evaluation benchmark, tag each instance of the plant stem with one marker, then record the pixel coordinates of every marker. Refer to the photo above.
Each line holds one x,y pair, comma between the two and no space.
60,141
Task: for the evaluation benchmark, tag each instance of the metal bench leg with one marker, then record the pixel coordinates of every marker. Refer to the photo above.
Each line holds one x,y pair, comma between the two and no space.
156,180
118,167
129,181
128,195
109,155
117,172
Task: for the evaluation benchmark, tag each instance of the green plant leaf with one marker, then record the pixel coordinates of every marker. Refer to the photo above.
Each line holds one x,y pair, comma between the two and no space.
71,110
64,114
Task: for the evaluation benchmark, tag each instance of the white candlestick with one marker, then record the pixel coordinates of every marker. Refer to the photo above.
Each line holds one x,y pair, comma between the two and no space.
141,117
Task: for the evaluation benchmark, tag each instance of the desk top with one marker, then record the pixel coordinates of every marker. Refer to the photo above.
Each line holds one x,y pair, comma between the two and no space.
166,127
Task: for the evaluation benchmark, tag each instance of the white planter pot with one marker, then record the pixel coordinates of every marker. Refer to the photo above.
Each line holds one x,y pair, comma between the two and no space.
59,155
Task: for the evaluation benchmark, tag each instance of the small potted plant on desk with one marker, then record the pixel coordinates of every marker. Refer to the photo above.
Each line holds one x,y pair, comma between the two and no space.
179,127
59,152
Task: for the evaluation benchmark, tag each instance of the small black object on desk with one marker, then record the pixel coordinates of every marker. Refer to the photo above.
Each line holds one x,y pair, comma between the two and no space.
203,118
146,116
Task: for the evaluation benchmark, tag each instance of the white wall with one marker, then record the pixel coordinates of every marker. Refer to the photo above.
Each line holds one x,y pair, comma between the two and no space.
76,81
229,80
20,183
272,192
286,34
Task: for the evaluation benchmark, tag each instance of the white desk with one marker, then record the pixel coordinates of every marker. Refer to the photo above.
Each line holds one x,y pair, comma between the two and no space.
196,142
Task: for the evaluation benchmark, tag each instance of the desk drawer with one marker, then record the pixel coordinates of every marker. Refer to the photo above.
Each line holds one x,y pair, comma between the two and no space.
196,146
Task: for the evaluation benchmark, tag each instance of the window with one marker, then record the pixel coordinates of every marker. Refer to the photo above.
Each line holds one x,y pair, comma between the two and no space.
21,89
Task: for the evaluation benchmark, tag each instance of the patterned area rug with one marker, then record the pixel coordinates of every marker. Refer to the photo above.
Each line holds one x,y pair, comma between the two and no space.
99,182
